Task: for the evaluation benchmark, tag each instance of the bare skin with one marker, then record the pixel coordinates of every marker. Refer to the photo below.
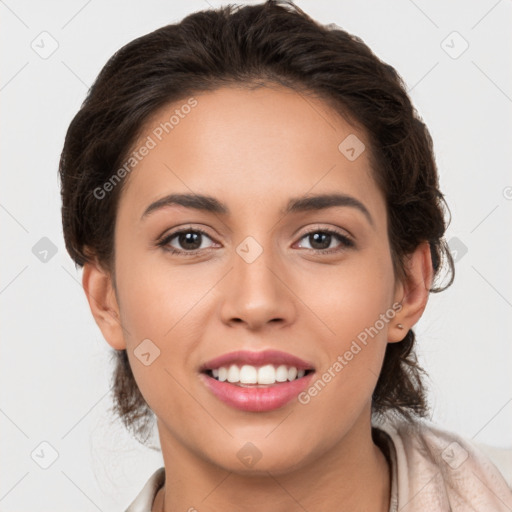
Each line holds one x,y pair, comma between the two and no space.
254,151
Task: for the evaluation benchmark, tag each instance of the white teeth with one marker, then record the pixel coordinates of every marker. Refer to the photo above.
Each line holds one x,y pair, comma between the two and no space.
223,373
248,374
292,373
267,374
233,373
282,373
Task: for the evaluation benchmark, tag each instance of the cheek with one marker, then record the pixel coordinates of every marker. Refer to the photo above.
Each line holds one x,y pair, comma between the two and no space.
160,304
166,305
355,302
351,298
156,298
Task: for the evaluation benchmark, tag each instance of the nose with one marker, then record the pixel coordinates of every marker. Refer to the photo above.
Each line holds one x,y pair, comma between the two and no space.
256,293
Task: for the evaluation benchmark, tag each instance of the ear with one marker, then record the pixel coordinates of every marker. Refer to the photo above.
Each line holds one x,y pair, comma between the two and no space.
100,292
413,292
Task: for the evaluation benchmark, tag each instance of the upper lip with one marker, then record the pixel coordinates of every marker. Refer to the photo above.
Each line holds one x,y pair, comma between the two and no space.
257,358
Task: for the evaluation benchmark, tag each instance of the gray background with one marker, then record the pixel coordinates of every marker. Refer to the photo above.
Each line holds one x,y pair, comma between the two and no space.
55,368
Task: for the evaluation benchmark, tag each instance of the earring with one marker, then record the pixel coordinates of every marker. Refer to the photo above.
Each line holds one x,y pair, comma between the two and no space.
400,326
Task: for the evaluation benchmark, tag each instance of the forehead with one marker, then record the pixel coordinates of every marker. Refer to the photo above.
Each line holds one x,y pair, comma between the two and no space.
245,145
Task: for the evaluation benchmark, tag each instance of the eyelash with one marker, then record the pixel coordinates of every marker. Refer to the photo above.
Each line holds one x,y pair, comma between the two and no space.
346,242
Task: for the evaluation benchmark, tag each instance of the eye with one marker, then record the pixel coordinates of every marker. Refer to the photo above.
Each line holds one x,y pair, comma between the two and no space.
186,241
321,241
189,242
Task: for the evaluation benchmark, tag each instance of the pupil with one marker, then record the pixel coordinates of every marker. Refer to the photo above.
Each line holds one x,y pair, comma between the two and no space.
190,238
317,236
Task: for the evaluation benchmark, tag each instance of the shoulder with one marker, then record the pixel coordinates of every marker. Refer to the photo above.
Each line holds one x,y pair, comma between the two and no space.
442,469
144,500
500,457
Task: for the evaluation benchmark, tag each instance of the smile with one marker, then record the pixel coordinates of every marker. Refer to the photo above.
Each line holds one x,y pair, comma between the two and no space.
247,374
256,381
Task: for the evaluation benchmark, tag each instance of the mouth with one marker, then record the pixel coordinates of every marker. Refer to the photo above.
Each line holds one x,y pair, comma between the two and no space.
256,381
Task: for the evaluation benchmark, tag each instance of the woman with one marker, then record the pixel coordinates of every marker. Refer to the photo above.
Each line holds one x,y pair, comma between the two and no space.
277,351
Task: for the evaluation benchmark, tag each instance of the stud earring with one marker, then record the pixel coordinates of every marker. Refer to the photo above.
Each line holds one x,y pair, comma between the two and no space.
400,326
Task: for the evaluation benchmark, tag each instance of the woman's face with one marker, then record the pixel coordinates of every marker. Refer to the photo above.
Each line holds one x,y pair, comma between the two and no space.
263,274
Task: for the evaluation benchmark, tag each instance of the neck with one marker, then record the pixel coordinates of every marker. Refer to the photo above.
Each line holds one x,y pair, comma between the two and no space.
354,475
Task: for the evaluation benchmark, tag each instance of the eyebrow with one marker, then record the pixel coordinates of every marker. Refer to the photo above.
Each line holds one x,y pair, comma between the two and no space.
295,205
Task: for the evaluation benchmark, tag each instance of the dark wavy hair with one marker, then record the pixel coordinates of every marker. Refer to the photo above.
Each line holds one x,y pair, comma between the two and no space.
252,46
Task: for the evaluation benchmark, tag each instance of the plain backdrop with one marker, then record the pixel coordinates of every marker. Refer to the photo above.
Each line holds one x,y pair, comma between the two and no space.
55,366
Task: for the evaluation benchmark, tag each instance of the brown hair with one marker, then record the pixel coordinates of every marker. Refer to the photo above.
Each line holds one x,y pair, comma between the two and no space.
271,43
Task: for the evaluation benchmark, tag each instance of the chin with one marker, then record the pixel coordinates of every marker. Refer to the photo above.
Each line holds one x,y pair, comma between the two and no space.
258,459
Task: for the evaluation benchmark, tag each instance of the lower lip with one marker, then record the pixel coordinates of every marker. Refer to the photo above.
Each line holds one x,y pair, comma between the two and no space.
257,399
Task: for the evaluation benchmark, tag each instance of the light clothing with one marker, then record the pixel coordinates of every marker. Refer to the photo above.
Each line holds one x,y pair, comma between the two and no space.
432,470
145,498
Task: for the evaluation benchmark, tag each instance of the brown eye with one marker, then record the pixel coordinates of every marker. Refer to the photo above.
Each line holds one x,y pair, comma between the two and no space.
321,240
187,241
